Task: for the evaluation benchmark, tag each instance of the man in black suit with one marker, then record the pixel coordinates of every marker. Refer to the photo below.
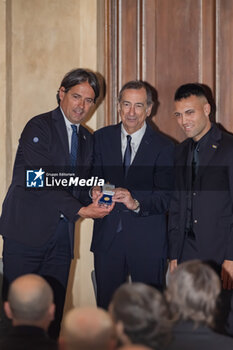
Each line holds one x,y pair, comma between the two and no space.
201,210
37,225
192,294
30,307
132,240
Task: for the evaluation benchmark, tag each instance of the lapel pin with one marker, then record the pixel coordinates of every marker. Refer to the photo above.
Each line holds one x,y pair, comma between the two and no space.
214,146
84,137
35,139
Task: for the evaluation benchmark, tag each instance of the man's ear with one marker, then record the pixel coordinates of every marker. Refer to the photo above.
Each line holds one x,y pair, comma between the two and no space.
61,92
207,109
7,309
121,334
51,312
61,343
148,110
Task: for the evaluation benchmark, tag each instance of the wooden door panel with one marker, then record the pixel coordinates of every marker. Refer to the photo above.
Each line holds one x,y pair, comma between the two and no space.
168,43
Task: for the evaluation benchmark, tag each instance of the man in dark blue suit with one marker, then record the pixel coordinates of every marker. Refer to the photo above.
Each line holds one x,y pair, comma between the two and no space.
38,225
132,240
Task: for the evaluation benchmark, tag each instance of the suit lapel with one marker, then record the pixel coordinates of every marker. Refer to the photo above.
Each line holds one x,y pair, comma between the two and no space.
60,126
117,151
81,159
139,158
116,146
184,165
211,147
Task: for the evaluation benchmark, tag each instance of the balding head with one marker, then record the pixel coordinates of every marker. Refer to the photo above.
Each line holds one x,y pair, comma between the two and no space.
87,329
30,301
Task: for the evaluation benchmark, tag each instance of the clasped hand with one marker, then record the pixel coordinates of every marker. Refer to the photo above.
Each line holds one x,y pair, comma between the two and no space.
121,195
94,210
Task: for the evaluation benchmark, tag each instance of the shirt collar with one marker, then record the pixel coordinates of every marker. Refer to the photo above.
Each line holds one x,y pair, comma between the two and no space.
203,140
137,134
67,122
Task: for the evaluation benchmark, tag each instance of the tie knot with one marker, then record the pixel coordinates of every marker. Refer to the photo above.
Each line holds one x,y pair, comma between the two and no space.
74,128
129,138
195,146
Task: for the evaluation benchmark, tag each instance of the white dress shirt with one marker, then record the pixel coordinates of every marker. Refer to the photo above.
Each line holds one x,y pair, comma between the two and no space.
69,128
135,141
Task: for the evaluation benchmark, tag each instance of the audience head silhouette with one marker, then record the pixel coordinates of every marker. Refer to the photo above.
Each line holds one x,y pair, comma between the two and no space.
192,292
30,302
141,315
88,328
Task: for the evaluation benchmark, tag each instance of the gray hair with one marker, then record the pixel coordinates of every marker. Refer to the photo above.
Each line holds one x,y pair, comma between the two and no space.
143,312
137,85
193,291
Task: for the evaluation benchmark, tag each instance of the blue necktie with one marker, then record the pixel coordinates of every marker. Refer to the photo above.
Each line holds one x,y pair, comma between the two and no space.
127,155
74,146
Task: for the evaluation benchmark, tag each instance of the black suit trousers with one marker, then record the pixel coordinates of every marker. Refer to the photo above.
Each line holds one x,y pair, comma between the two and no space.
51,261
113,268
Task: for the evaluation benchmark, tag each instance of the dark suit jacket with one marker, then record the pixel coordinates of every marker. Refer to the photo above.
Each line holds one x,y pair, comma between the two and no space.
31,216
27,338
212,196
149,180
188,337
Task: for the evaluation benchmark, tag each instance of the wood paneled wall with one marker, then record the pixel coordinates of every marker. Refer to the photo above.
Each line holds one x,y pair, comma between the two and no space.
169,43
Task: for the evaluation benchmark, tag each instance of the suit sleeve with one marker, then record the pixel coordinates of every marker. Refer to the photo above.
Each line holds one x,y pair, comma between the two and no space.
229,241
157,202
35,144
98,163
176,215
173,226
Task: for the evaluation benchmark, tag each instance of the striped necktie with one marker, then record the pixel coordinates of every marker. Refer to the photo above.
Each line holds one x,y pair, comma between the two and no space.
127,155
74,146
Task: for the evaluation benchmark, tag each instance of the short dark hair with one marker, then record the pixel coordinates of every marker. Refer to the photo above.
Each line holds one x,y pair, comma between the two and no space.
137,85
78,76
192,292
187,90
142,310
